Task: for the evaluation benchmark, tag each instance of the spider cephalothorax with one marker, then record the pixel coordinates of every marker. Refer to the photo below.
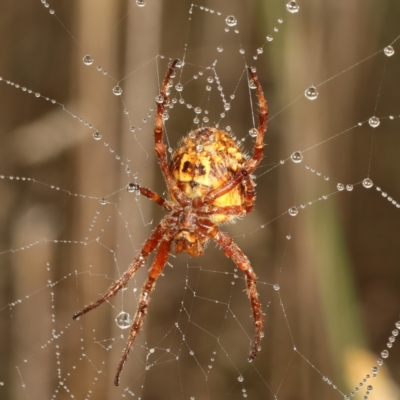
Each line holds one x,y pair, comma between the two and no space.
209,182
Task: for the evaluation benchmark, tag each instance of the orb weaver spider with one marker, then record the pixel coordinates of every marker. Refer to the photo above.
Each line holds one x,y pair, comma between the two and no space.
209,182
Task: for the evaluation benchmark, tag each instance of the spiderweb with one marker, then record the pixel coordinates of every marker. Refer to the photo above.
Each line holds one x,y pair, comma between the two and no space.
78,88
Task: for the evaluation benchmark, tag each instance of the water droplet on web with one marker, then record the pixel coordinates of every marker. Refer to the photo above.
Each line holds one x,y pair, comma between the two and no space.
88,60
293,211
220,49
103,201
37,94
253,132
197,110
374,122
231,20
276,286
117,90
389,51
179,87
349,187
140,3
367,183
123,320
340,186
131,187
252,85
97,135
292,7
385,354
159,99
227,106
240,378
269,38
311,93
297,157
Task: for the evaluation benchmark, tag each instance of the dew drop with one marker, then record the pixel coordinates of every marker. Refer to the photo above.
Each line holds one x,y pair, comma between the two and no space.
269,38
97,135
140,3
179,87
292,7
103,201
131,187
159,99
240,378
297,157
349,187
88,60
117,90
227,106
389,51
123,320
252,85
367,183
340,186
311,93
220,49
197,110
397,324
293,211
253,132
276,286
374,122
231,20
385,354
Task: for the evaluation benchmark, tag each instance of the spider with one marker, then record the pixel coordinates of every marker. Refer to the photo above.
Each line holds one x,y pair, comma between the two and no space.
209,182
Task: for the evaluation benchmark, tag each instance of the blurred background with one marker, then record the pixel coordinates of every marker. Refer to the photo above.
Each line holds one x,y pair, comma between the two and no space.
337,263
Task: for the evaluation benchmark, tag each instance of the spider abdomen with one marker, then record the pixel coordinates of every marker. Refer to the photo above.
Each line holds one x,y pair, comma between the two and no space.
204,160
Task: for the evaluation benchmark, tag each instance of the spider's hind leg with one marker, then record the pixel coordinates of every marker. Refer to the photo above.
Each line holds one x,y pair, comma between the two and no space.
232,250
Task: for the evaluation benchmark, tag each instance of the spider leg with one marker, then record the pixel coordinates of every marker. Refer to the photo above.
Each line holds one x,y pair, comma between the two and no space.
167,205
233,210
250,165
160,148
157,267
233,251
139,260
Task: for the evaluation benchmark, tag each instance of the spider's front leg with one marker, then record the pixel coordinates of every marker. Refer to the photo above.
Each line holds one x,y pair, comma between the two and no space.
157,267
232,250
139,260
